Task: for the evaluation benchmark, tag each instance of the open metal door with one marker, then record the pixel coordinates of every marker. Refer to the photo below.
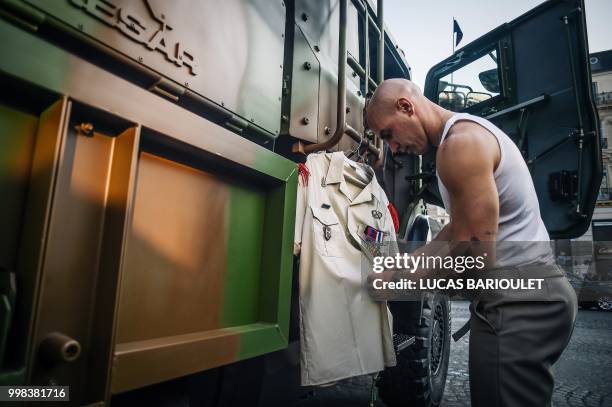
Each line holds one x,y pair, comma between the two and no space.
531,78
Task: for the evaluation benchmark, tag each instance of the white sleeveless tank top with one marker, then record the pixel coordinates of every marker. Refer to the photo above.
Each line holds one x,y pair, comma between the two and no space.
519,212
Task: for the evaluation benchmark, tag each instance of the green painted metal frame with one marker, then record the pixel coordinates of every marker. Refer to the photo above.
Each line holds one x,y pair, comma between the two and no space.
46,66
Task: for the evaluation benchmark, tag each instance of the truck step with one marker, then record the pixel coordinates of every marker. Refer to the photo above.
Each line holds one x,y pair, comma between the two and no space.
402,341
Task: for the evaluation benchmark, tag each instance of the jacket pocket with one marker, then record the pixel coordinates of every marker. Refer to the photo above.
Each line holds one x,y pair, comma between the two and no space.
327,232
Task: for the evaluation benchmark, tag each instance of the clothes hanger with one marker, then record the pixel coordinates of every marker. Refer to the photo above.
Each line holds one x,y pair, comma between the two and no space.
356,150
361,155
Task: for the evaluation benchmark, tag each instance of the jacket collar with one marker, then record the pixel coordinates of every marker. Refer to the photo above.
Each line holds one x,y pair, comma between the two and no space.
335,175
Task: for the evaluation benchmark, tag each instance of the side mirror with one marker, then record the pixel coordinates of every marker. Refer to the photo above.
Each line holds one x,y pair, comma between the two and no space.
490,80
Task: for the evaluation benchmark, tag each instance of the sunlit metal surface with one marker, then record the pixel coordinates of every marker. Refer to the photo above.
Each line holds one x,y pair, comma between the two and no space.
189,45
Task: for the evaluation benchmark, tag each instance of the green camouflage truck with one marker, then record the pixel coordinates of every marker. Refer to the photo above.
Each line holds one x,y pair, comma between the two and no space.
148,175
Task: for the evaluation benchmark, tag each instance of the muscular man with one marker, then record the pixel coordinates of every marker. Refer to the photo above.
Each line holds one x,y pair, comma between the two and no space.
487,190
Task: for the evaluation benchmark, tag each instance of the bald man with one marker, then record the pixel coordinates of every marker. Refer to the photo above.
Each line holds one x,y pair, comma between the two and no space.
487,189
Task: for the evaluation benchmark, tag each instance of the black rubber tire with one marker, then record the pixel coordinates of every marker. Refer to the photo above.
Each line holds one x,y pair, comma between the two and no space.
419,377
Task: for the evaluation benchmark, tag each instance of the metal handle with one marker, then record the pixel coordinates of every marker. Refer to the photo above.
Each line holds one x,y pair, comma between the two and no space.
341,126
59,348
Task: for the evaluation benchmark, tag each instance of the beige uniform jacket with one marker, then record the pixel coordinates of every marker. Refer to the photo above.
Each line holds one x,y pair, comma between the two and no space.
343,332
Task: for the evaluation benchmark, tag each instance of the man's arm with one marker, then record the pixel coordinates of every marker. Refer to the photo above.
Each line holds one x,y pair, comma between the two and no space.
466,164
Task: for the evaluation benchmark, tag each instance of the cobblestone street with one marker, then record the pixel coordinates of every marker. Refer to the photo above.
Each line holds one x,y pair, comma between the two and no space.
582,375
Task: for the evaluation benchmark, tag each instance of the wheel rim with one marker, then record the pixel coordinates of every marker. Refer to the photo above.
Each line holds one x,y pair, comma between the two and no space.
605,303
437,340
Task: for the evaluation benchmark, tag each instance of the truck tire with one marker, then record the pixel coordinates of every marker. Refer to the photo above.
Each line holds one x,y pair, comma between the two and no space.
419,377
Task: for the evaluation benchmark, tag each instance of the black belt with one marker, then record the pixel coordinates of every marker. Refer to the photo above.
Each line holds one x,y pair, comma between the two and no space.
460,333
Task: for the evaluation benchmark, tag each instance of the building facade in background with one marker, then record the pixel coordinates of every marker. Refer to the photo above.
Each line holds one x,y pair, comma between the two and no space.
601,70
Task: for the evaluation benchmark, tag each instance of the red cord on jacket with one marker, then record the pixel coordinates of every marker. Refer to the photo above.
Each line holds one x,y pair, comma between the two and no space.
394,216
304,173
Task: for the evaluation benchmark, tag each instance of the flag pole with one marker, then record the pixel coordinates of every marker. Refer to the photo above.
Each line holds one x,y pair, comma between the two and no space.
453,41
453,35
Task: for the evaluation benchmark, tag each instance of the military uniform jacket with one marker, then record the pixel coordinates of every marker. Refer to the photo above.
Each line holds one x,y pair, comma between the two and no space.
343,332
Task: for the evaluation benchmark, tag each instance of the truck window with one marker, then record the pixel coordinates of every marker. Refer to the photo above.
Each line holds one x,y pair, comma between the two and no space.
471,84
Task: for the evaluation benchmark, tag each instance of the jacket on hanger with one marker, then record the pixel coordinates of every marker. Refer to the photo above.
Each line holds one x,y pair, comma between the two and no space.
341,207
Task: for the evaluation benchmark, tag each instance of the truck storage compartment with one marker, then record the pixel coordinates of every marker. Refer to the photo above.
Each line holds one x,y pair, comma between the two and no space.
141,254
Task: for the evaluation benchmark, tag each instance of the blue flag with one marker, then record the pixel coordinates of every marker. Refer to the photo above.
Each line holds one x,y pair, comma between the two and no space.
457,30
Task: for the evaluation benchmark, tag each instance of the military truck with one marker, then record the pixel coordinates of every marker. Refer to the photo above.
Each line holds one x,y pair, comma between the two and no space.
148,179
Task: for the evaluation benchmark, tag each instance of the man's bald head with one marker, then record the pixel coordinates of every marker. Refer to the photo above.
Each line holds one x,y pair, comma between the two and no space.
388,93
396,112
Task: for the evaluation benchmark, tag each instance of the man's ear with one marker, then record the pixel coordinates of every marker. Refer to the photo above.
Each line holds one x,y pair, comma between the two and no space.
405,106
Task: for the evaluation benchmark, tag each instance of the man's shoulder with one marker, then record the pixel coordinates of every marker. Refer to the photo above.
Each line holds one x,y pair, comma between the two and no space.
467,146
468,137
467,133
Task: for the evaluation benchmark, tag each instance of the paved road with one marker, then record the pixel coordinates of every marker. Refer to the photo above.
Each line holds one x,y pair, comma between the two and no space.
582,374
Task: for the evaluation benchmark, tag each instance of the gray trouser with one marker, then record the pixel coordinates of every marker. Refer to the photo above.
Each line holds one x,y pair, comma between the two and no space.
513,344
